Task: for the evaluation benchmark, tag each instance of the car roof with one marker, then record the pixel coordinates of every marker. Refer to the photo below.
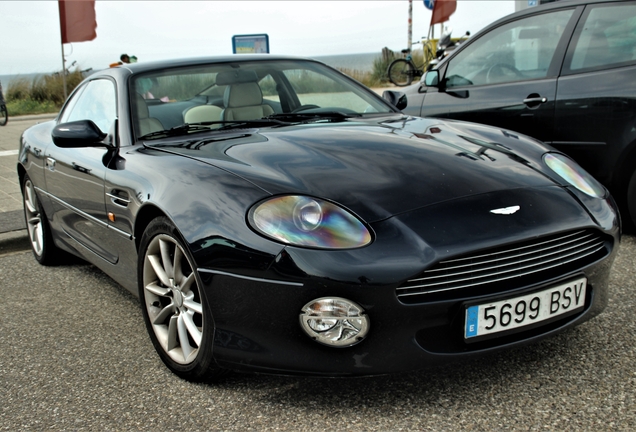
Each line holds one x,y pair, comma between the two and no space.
135,68
558,4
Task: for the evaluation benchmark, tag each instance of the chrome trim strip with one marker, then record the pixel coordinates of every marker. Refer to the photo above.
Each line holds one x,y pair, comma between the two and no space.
120,232
86,215
204,270
493,277
534,245
503,264
480,266
497,270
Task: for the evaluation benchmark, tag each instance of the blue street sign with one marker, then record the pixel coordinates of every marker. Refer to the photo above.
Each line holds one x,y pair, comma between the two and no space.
428,4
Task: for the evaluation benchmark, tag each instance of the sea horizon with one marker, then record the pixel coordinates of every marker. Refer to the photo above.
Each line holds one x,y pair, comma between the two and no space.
362,62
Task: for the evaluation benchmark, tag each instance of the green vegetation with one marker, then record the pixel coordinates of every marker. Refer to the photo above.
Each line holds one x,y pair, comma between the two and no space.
42,95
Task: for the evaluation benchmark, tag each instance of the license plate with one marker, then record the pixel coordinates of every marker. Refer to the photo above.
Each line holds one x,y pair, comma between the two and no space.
505,315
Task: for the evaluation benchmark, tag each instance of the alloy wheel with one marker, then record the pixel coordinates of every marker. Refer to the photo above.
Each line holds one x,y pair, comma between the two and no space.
172,299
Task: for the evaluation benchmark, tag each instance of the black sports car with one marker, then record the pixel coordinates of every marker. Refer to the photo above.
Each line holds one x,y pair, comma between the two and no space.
274,215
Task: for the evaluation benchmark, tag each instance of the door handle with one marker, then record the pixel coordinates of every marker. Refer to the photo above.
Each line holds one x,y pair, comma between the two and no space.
534,100
50,164
119,197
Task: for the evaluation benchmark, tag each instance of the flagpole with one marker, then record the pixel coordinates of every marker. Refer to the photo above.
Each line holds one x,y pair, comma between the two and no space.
410,36
64,72
61,8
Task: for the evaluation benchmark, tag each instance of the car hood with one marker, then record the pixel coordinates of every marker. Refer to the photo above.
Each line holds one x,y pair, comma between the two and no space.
375,168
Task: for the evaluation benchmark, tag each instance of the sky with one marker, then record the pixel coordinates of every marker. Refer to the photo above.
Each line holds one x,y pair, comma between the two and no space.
164,29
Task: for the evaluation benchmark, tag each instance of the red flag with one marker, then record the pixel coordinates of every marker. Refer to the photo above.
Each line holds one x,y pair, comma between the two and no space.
442,10
77,20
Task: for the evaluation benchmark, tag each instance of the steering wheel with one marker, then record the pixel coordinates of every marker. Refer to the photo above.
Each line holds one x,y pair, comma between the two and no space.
305,107
499,70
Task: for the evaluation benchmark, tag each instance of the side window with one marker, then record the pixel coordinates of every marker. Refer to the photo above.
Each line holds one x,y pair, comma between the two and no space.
517,51
96,102
268,88
606,37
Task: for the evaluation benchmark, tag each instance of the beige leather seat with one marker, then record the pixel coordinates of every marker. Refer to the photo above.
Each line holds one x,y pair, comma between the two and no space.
145,123
244,101
202,113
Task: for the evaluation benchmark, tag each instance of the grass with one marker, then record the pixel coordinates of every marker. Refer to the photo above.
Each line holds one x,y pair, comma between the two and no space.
46,94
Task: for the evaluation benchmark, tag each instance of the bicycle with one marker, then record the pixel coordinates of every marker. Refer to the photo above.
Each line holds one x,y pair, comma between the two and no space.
4,115
402,71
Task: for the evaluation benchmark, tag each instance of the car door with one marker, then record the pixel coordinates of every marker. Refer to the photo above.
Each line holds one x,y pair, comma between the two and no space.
75,176
595,118
507,77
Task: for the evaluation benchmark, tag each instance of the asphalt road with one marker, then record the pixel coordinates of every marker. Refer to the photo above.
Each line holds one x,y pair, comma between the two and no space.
75,356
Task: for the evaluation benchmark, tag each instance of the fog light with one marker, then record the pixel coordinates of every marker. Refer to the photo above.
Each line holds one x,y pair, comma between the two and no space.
334,321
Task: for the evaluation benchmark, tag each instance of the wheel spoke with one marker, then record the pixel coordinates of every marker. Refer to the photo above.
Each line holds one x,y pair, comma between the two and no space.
178,271
190,304
157,266
29,201
186,283
193,330
173,341
157,290
38,238
183,337
165,258
163,315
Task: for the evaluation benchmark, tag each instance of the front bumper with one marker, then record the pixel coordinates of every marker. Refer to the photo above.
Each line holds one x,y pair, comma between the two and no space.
256,314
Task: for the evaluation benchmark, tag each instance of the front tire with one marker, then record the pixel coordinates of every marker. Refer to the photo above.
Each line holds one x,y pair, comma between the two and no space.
401,72
178,322
44,250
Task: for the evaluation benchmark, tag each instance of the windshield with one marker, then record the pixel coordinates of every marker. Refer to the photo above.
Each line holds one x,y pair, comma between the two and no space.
218,95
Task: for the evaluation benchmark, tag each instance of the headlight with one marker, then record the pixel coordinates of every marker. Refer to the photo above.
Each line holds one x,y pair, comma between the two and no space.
309,222
572,173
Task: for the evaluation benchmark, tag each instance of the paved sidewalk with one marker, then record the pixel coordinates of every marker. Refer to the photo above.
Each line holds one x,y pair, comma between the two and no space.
12,226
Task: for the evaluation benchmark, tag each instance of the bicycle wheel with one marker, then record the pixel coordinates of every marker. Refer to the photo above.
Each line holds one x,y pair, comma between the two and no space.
4,115
401,72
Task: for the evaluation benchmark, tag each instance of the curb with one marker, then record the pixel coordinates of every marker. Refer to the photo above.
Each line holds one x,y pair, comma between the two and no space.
32,117
14,241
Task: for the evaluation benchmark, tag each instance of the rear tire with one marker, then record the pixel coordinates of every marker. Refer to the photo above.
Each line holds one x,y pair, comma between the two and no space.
177,319
631,199
4,115
401,72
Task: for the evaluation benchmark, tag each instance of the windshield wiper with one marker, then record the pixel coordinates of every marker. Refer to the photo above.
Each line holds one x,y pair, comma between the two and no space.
187,128
301,117
177,130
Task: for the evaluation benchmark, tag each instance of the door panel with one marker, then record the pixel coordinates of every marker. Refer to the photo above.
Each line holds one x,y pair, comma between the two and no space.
525,107
75,180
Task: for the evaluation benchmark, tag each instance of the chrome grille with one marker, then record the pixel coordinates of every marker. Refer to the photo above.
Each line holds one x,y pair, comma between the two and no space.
507,263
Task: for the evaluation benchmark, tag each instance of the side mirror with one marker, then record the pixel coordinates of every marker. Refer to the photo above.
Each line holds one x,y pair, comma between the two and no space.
81,133
431,78
397,99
